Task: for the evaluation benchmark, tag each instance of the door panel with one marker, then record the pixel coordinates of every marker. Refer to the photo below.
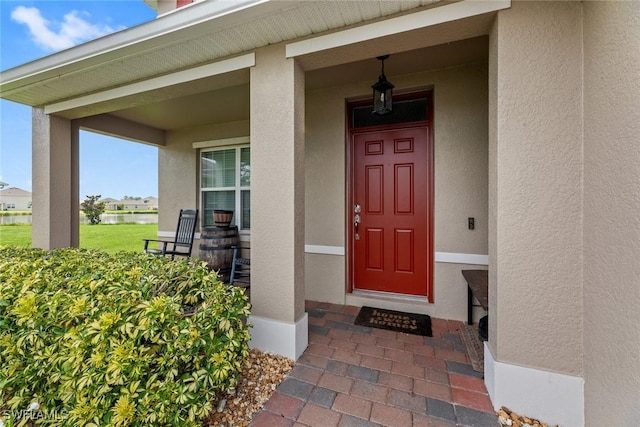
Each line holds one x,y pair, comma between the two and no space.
391,243
404,255
374,190
404,192
375,249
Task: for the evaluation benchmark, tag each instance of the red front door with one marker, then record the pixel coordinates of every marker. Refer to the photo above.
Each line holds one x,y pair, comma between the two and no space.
391,211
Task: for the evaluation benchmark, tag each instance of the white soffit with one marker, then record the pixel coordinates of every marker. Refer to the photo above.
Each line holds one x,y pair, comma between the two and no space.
401,24
221,67
124,44
202,33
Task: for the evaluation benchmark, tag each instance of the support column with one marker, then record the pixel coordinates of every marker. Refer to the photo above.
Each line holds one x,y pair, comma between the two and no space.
534,357
277,204
55,176
611,219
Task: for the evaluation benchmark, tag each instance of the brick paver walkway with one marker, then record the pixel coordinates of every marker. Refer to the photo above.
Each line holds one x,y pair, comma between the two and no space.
358,376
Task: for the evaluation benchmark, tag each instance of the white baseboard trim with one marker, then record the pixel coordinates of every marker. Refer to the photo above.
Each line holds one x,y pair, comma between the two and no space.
286,339
548,396
444,257
456,258
324,250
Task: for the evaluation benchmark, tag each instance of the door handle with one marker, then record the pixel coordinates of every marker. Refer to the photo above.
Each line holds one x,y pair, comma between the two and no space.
356,220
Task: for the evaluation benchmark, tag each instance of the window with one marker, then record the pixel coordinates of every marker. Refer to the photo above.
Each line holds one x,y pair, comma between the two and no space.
404,111
225,182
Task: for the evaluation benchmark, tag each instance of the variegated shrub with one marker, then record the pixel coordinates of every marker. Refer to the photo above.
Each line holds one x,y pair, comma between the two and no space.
115,339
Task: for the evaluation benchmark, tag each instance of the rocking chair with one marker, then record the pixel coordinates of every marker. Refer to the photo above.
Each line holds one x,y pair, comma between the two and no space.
240,270
183,240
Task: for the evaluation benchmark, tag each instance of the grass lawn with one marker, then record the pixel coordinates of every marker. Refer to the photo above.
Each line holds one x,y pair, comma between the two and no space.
108,237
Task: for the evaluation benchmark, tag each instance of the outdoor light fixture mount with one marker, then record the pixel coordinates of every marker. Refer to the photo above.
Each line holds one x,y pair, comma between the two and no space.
382,92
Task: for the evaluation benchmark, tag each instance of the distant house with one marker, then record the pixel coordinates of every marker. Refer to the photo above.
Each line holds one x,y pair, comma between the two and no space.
148,203
110,204
15,199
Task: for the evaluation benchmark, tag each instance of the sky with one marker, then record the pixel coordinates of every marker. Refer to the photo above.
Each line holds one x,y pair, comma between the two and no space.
30,30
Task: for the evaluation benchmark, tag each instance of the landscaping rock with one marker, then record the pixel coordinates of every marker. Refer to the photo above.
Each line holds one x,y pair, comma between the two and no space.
259,379
509,418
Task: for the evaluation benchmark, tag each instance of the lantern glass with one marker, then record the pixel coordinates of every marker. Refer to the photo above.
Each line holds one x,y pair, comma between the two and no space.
382,96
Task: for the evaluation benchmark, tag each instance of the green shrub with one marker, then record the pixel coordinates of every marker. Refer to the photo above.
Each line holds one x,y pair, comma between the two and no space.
116,339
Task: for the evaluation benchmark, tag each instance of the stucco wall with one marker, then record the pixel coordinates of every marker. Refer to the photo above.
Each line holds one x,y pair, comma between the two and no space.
277,186
461,143
178,167
460,136
493,184
537,188
611,214
55,166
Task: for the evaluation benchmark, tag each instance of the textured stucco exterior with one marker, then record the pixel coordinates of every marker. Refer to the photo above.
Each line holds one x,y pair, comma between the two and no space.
461,156
611,219
177,180
537,186
178,163
277,186
326,168
492,243
55,176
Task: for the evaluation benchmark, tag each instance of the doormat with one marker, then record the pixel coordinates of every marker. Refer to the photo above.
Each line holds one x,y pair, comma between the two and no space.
410,323
475,349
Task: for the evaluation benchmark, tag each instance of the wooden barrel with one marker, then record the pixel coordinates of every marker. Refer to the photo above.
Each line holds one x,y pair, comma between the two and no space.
216,248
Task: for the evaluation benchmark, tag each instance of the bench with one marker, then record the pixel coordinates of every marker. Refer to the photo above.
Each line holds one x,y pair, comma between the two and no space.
478,287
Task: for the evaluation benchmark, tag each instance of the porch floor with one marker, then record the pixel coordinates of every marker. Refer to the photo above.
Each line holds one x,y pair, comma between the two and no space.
352,375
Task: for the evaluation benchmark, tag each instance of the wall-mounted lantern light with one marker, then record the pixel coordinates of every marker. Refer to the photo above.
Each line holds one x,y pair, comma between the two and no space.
382,92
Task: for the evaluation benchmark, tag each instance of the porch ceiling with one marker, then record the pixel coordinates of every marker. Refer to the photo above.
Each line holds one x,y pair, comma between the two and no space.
410,62
228,104
184,39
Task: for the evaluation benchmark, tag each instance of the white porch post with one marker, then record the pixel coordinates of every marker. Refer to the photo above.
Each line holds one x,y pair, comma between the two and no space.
55,163
277,204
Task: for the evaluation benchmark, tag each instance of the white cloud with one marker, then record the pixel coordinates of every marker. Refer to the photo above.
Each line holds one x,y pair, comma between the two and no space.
56,36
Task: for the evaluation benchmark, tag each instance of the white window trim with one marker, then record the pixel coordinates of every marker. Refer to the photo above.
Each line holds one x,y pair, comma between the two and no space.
242,140
236,144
